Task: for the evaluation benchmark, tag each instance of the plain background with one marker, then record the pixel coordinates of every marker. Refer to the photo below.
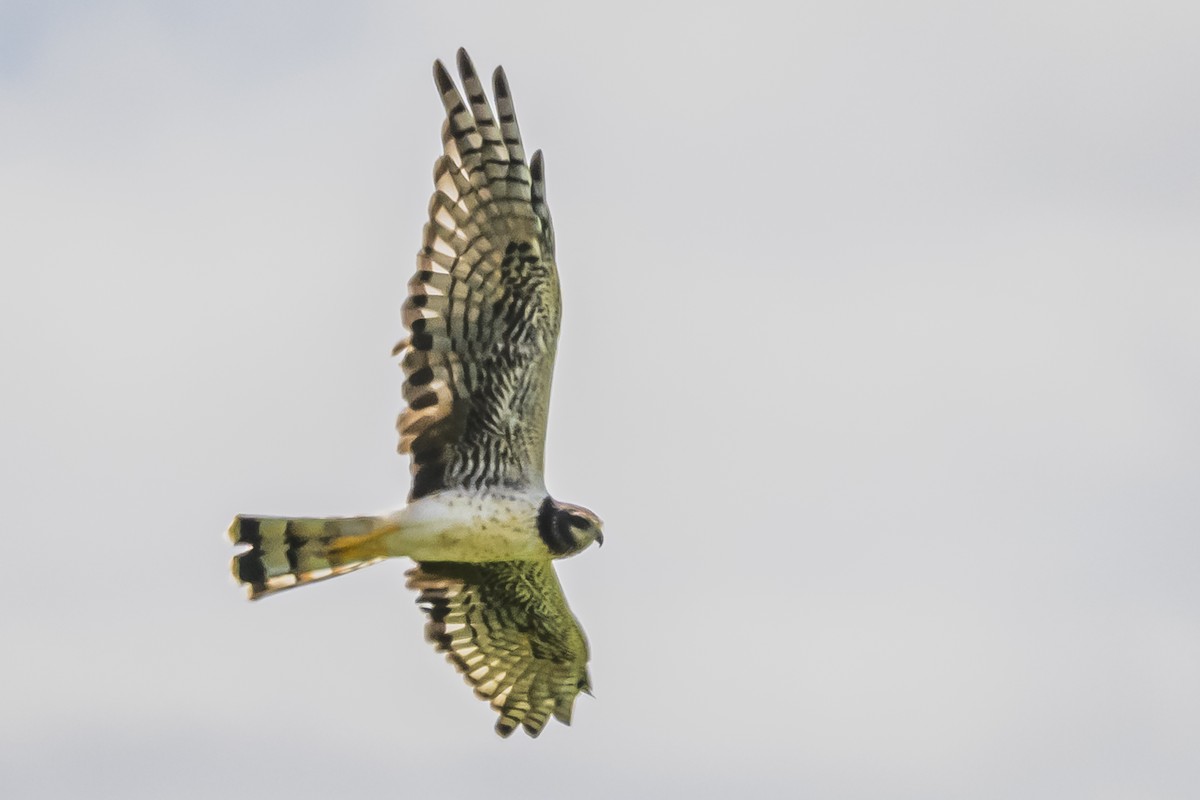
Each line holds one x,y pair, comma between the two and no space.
880,362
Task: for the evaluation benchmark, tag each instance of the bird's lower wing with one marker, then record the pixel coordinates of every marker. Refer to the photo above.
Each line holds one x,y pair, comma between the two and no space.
506,626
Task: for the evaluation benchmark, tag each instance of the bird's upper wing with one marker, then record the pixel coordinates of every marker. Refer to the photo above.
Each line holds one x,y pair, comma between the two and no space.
506,626
483,309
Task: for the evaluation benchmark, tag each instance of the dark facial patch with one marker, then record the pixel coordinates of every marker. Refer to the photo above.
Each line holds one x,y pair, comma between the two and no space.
577,520
554,529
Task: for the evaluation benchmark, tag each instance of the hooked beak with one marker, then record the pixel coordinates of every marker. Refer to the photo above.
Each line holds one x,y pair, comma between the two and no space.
600,538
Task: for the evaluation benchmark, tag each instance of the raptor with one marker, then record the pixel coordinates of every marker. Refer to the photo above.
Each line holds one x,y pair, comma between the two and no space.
483,314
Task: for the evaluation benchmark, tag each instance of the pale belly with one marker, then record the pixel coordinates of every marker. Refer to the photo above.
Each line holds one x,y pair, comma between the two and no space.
456,526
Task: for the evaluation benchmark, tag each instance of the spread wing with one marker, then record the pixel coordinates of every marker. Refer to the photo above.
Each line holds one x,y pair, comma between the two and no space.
483,308
506,626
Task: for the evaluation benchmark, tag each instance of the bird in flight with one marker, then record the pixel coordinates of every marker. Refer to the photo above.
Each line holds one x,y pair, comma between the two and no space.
483,314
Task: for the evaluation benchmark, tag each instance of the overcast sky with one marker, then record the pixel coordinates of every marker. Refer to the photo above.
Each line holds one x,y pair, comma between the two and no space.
880,360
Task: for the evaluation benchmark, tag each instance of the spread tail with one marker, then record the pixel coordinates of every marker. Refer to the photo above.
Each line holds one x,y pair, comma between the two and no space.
288,552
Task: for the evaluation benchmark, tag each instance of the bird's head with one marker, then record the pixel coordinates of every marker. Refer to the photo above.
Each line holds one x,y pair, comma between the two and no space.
568,529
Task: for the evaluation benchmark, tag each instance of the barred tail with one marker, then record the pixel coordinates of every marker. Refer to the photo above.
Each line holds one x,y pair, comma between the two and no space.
292,552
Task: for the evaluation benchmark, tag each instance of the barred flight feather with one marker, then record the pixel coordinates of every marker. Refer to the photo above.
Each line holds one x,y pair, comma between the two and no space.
506,626
483,307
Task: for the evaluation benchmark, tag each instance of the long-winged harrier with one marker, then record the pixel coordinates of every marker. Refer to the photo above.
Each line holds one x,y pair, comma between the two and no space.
483,312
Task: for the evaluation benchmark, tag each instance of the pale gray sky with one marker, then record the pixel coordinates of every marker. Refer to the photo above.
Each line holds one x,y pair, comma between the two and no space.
881,362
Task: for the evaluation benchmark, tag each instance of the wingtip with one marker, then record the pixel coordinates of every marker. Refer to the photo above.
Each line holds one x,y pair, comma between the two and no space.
465,66
500,83
441,76
564,708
